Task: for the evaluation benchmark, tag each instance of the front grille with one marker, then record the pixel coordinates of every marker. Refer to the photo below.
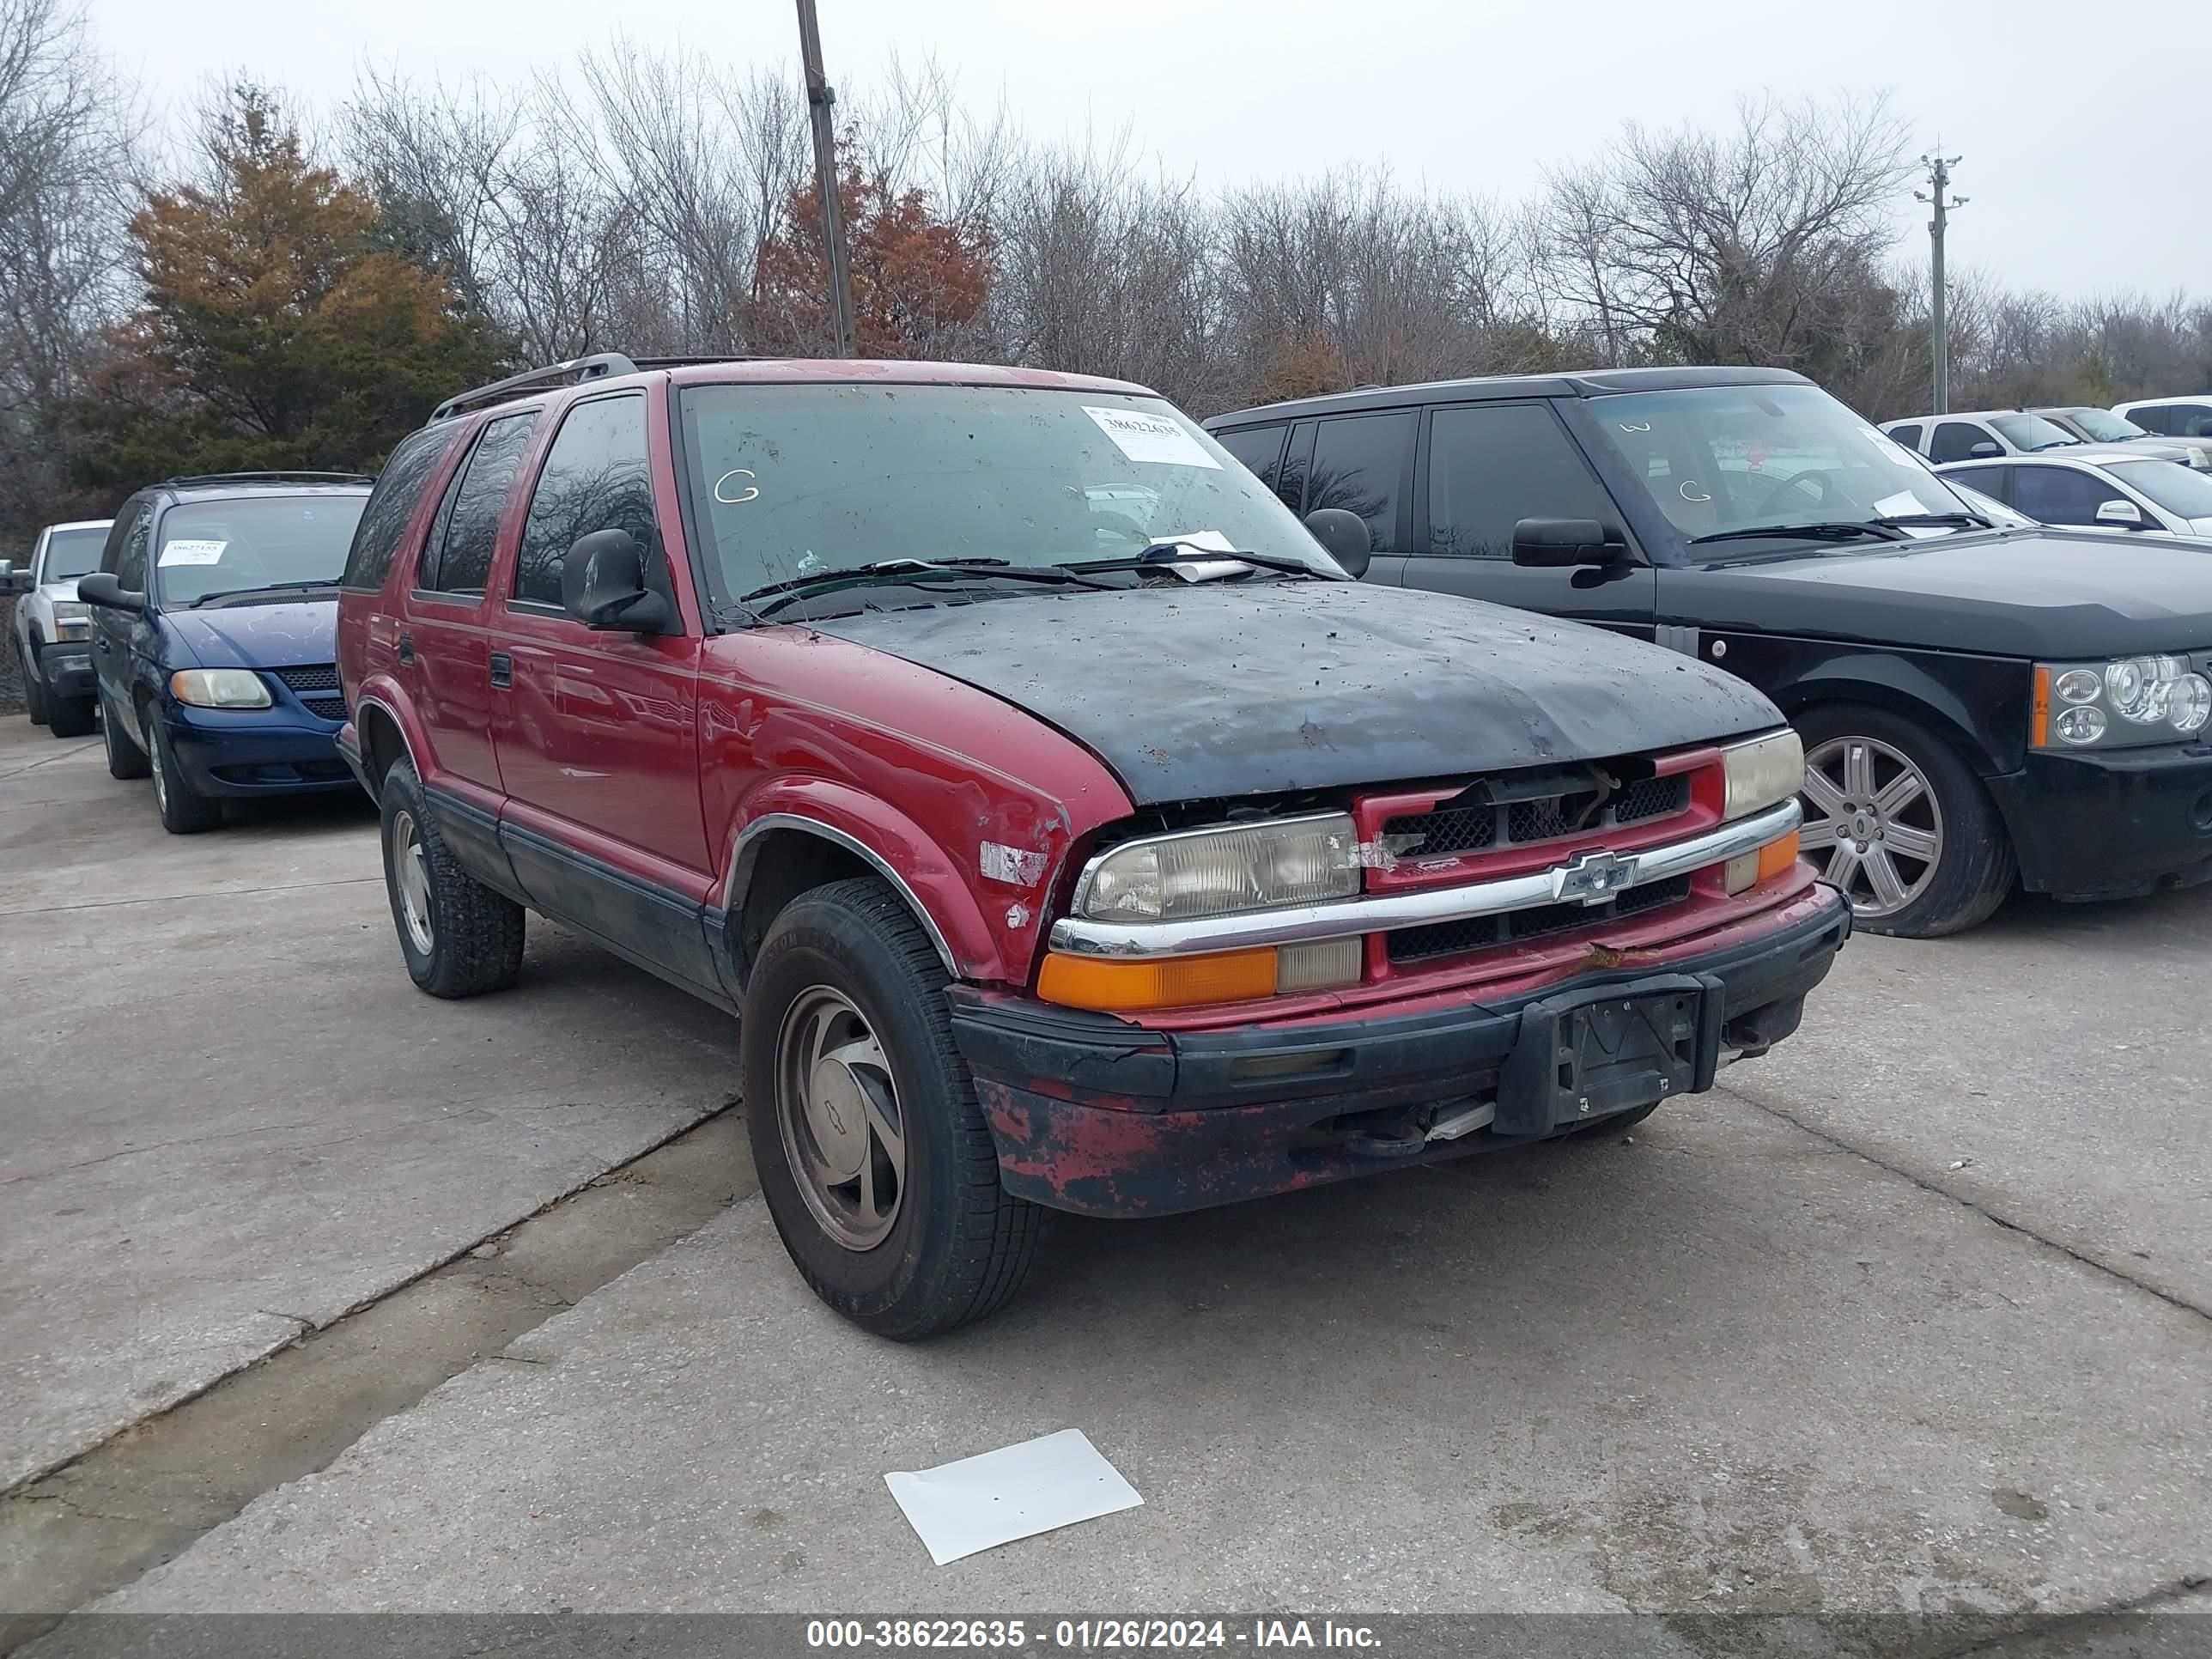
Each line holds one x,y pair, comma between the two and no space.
328,708
1461,826
1447,938
310,676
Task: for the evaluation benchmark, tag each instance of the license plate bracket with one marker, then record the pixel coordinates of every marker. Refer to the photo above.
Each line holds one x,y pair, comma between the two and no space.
1585,1055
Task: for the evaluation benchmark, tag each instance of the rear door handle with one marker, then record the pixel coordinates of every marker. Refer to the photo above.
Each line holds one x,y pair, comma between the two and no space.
502,670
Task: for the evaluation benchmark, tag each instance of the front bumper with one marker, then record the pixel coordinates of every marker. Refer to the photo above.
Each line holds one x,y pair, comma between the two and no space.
65,668
2111,825
1097,1116
264,752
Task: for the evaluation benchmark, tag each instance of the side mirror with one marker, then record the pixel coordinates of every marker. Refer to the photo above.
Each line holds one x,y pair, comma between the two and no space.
602,585
1343,536
1985,448
1553,543
100,588
13,580
2126,515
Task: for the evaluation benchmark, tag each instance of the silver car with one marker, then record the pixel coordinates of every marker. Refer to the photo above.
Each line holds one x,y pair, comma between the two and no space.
2096,486
53,636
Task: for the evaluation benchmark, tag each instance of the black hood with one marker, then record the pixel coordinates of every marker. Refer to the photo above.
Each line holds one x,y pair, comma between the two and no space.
1196,690
2010,593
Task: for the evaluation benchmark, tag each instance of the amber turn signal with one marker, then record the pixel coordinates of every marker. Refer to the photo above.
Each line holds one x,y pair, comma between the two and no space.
1122,986
1749,869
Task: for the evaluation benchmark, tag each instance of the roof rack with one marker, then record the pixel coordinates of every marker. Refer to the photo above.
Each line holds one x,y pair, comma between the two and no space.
194,480
599,366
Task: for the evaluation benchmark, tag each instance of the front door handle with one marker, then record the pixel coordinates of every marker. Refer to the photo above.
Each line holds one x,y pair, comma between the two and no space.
502,670
99,644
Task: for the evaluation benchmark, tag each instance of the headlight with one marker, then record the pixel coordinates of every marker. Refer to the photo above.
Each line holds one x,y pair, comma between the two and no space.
1762,772
220,688
2127,702
1215,873
71,611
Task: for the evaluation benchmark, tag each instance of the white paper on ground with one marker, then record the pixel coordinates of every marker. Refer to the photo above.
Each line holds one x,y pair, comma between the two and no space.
192,552
1154,438
1017,1491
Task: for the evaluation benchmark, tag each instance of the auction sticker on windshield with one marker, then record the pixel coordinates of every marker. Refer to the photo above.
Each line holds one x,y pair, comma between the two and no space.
1152,438
192,552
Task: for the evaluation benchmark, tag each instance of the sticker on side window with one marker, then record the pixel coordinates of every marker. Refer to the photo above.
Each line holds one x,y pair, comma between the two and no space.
1153,438
192,552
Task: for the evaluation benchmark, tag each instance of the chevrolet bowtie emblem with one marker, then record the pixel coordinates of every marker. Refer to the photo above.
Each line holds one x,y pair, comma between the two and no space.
1593,878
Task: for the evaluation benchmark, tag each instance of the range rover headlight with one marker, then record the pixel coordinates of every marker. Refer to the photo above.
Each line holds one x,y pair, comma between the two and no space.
1217,872
220,688
1762,772
2125,703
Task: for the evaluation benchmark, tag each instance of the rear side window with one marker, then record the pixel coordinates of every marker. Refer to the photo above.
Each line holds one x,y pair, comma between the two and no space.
1954,441
1492,465
1359,464
2188,420
1260,447
595,478
392,506
1908,434
1298,459
458,558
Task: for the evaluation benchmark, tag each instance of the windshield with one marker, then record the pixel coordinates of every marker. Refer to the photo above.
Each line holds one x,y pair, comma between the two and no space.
1735,457
72,553
797,481
2105,427
254,542
2172,485
2031,432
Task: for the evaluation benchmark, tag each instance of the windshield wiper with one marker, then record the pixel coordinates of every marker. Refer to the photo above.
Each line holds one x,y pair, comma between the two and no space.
1899,520
893,571
1164,553
260,588
1879,530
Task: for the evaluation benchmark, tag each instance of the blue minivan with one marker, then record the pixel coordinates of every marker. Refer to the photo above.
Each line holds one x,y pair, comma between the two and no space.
214,637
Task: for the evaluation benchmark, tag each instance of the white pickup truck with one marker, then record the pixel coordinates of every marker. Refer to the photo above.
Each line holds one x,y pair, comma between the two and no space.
53,638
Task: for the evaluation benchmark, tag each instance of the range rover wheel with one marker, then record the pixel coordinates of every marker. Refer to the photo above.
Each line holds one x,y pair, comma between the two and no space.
184,811
877,1168
1896,820
460,939
125,759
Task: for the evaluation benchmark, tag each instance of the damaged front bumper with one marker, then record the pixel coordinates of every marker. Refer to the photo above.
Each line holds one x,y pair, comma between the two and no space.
1097,1116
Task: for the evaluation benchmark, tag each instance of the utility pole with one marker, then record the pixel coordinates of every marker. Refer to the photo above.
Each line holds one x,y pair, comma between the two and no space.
1939,168
819,98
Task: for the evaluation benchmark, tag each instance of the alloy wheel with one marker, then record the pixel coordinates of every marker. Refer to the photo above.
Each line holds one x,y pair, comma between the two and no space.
410,874
837,1109
1872,823
161,773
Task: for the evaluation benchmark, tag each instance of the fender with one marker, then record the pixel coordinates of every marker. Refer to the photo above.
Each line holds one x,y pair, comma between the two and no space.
1978,704
899,849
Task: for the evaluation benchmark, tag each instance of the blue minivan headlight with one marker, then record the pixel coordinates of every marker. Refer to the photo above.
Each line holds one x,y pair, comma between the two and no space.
220,688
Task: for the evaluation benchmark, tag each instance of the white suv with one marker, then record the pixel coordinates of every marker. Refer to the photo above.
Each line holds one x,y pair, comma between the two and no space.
1977,435
53,638
2171,418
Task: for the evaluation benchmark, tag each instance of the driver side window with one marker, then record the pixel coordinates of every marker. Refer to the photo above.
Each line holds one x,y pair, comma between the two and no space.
1954,441
595,478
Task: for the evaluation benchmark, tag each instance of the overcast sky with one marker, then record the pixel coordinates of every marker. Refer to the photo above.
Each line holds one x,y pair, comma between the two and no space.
2085,156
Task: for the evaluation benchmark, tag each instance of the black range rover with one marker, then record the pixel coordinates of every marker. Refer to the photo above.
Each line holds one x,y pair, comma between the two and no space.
1981,706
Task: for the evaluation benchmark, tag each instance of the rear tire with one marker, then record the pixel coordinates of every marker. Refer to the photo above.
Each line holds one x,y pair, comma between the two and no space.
125,759
184,811
70,717
877,1168
458,937
1875,784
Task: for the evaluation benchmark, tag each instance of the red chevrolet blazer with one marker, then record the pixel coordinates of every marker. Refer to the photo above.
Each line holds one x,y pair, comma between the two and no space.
1068,828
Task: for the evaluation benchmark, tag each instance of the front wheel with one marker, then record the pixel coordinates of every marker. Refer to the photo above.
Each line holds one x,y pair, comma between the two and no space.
1896,820
184,810
34,687
876,1166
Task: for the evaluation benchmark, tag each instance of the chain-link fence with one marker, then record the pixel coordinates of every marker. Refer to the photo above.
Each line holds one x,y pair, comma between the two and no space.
11,662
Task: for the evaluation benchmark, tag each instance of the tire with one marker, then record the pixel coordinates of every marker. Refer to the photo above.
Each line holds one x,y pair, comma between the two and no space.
844,966
1914,785
34,686
70,717
182,811
125,759
463,939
